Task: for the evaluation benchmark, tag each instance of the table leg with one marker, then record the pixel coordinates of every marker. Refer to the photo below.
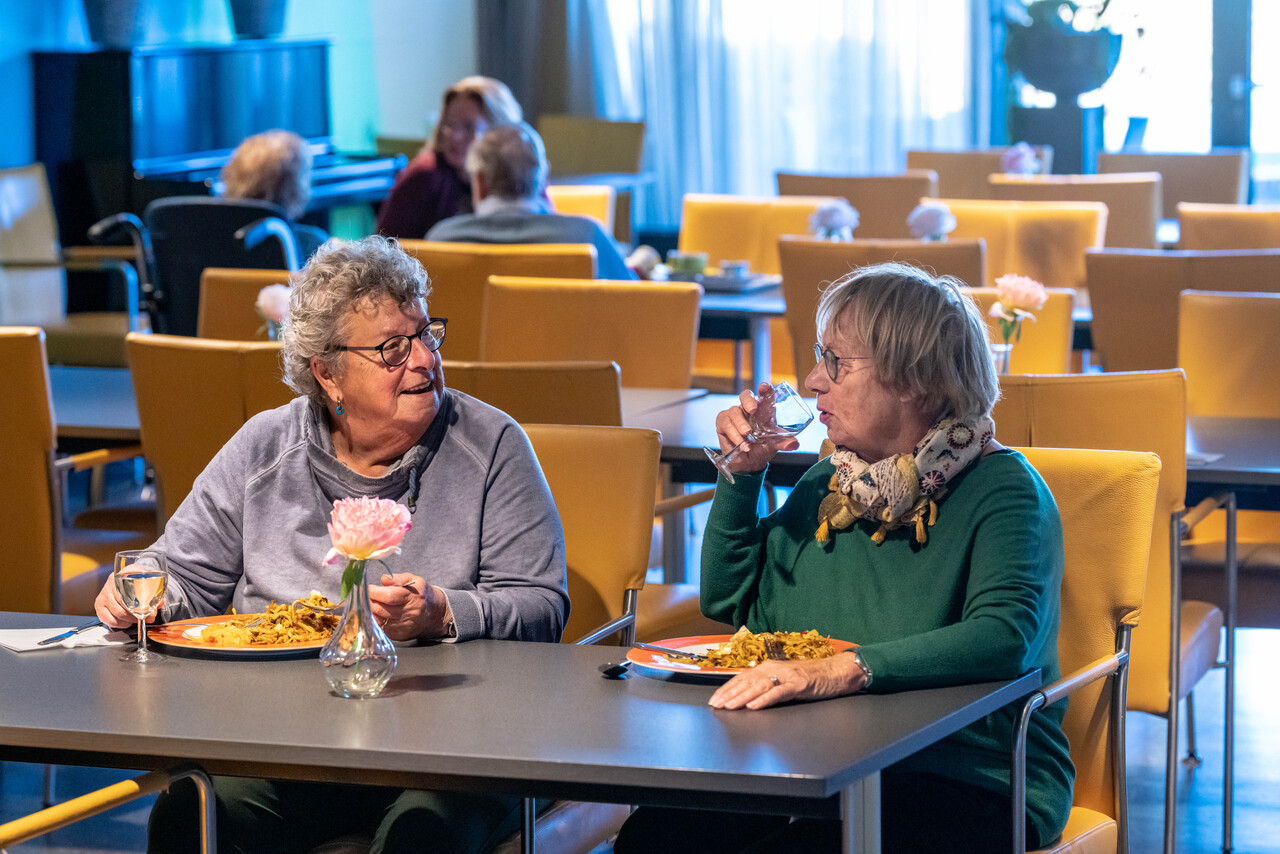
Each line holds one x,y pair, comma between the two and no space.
675,531
860,813
761,352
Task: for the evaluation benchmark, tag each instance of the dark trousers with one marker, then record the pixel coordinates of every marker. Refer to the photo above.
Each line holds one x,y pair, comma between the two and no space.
919,812
279,817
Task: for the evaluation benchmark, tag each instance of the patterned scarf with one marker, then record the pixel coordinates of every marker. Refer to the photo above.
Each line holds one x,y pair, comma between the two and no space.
901,489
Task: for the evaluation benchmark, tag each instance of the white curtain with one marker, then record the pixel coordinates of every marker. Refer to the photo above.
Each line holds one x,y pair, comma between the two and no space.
732,91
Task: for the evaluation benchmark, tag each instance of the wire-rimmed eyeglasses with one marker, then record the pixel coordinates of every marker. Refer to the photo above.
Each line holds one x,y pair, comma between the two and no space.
832,362
396,349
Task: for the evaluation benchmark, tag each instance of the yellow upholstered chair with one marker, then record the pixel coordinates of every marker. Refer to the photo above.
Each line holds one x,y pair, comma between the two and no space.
543,392
1134,297
1043,240
193,395
883,201
1228,226
591,200
459,271
1102,600
1045,344
48,568
227,299
963,174
1220,176
808,265
1177,642
1132,200
648,328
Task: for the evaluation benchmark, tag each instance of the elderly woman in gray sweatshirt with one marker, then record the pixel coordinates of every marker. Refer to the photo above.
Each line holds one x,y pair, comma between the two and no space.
484,558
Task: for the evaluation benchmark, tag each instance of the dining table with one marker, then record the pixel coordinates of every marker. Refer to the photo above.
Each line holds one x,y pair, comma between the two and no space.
533,720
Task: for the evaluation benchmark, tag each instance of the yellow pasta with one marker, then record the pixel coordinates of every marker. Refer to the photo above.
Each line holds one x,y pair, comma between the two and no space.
745,649
280,624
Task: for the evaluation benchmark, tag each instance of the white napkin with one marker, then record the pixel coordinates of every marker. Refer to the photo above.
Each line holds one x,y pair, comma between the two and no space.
27,640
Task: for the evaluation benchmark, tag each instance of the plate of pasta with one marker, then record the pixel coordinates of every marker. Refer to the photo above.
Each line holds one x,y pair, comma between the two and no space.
728,655
282,631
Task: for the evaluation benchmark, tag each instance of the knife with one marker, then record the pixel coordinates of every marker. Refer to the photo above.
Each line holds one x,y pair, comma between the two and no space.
69,633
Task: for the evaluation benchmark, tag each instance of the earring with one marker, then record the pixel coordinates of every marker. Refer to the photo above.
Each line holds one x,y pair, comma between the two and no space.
339,410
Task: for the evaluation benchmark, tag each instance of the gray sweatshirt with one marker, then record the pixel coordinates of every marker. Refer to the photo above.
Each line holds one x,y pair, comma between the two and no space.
485,528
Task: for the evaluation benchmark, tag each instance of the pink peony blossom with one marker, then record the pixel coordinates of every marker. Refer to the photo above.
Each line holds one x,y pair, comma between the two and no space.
366,529
273,303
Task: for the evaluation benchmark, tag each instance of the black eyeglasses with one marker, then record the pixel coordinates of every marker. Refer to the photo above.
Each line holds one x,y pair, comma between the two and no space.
832,362
396,349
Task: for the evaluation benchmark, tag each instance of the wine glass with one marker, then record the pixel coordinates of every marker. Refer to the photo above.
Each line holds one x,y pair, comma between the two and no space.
786,416
140,577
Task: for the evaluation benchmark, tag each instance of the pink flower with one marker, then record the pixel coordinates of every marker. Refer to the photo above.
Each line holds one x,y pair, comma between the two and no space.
366,529
273,303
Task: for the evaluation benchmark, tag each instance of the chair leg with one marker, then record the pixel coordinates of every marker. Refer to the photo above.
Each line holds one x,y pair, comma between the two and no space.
1192,759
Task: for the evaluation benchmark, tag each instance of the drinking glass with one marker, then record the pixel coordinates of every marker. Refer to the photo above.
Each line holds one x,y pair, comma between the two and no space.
140,577
787,415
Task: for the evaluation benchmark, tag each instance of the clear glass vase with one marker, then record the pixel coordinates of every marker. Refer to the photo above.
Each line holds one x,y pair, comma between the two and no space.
359,658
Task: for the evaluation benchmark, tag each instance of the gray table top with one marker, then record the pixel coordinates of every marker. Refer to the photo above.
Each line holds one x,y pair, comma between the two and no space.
530,719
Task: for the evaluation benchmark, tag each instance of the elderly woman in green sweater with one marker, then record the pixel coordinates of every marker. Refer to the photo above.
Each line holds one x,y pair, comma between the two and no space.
918,536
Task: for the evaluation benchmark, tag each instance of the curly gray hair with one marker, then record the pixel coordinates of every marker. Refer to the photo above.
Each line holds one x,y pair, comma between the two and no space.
342,277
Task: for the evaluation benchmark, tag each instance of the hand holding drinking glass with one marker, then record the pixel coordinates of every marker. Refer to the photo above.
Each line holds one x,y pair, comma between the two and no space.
780,413
140,578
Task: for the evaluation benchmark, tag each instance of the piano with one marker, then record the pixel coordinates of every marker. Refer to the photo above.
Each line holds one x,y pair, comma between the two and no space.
117,128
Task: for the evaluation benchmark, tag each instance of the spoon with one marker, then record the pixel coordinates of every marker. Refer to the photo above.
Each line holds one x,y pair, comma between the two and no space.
615,670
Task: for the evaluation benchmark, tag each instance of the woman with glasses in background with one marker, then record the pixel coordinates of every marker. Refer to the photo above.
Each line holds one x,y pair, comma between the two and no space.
484,558
917,536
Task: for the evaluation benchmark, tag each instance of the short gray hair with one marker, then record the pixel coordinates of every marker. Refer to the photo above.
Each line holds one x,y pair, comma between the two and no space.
274,166
512,160
341,278
926,335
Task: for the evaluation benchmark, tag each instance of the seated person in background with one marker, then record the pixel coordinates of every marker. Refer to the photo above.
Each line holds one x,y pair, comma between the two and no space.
435,184
275,166
509,169
916,535
374,418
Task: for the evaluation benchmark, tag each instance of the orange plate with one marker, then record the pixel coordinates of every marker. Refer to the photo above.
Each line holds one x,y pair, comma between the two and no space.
658,666
183,638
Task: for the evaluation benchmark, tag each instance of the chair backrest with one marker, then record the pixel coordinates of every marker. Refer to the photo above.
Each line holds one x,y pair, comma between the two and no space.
1226,346
227,299
593,200
1105,500
603,480
1043,240
1219,177
190,233
963,174
1132,200
1228,226
882,201
544,392
1134,297
808,265
577,145
459,272
193,395
1143,411
28,227
743,228
648,328
1045,343
29,526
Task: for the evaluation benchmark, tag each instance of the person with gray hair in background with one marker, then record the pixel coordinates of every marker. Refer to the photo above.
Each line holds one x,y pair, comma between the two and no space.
275,166
509,168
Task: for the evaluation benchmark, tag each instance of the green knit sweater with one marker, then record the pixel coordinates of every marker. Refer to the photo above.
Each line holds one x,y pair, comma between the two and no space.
978,601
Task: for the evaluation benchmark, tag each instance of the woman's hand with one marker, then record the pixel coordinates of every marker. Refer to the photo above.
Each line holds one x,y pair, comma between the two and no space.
408,607
773,682
111,610
733,425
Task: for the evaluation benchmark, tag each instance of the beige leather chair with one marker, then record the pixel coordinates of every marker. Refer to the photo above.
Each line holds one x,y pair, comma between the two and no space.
1228,226
1133,200
227,303
591,200
459,271
193,395
1176,643
963,174
1102,601
543,392
1220,176
648,328
1134,296
883,202
48,568
808,265
1045,343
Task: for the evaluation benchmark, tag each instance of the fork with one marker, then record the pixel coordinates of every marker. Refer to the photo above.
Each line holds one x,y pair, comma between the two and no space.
773,649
